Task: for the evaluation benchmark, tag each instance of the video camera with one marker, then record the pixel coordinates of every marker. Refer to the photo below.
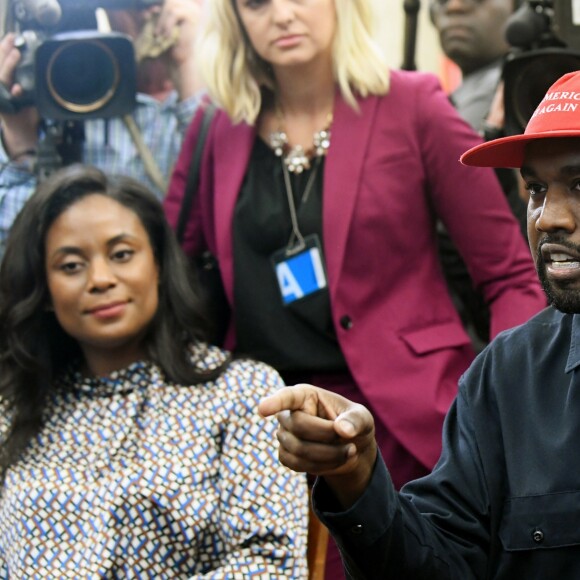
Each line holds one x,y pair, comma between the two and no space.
69,70
545,36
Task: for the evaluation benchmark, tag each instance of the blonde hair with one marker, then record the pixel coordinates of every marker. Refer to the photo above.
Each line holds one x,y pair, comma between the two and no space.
236,77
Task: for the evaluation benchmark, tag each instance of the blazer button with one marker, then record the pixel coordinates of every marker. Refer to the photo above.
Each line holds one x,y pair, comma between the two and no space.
346,322
356,530
538,536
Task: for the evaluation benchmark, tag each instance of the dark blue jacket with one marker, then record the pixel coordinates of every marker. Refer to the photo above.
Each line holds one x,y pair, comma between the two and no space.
504,499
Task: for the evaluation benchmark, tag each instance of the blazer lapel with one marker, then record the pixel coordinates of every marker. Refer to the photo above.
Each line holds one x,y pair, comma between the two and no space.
232,149
342,176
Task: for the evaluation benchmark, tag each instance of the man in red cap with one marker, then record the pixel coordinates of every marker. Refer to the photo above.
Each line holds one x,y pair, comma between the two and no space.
504,499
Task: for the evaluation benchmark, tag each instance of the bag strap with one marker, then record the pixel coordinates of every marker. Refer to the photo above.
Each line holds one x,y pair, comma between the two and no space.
192,182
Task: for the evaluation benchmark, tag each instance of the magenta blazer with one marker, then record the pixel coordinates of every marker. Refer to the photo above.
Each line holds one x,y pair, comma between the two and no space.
391,168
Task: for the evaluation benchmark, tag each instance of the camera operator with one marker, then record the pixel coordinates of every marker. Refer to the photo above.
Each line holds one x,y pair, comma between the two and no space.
168,94
471,34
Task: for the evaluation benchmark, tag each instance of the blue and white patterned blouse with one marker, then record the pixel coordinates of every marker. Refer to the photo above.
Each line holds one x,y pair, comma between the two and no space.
135,477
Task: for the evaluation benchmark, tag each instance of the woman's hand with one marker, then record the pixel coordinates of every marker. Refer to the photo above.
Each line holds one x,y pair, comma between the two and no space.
325,434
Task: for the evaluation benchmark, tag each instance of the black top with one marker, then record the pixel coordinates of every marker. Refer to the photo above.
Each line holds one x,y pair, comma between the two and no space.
299,336
504,499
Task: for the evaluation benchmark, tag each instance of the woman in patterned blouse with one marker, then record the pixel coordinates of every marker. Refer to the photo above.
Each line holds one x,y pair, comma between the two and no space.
129,447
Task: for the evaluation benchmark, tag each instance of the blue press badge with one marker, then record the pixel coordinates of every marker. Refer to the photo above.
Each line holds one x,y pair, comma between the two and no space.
302,273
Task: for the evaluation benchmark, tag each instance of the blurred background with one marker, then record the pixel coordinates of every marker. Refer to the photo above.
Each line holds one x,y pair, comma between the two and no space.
428,55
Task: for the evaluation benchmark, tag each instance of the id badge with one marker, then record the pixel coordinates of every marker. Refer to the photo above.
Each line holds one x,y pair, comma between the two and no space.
300,274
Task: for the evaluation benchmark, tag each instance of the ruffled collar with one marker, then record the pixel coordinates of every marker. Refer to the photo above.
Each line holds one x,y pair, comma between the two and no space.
137,376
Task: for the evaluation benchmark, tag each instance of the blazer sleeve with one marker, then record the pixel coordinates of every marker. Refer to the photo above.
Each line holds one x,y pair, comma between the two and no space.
473,207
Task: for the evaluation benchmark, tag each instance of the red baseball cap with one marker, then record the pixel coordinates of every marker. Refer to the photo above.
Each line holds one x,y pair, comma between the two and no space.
557,115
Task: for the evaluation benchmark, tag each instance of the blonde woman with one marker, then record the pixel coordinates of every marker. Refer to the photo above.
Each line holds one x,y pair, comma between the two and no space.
322,177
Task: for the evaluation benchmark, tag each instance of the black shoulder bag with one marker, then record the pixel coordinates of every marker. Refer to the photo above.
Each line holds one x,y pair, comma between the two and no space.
205,265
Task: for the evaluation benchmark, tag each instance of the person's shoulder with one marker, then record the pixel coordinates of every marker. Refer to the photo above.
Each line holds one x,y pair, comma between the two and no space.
242,376
543,339
255,379
416,95
206,357
244,383
522,368
415,80
536,328
207,110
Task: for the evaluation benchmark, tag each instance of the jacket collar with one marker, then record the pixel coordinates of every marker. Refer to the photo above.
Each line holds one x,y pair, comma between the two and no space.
343,174
574,354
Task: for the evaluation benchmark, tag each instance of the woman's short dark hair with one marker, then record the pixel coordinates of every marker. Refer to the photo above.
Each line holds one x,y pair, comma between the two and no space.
33,346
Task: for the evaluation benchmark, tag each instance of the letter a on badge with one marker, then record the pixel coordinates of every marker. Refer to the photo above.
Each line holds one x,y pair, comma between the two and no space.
289,286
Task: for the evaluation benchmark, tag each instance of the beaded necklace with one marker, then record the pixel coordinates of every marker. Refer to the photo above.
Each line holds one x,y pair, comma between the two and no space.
296,159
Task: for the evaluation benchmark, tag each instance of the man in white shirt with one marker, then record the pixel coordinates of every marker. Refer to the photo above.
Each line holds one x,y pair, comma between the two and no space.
169,93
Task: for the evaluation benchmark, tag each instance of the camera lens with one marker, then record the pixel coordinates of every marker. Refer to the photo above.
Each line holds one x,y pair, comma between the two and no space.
530,81
82,76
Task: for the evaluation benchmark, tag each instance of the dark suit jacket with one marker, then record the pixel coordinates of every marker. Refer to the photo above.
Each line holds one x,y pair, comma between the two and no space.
391,168
503,502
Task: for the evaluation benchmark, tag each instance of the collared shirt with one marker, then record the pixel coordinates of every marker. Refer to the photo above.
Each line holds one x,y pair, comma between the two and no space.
133,476
474,96
109,146
504,499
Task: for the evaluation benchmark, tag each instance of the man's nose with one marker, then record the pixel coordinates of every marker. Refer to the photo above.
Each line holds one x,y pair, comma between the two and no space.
556,212
457,5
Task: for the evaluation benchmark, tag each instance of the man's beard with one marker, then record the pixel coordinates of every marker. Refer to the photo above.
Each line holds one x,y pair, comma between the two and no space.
559,295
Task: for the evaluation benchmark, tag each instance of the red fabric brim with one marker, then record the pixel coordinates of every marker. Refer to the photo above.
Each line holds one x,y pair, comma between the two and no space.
507,151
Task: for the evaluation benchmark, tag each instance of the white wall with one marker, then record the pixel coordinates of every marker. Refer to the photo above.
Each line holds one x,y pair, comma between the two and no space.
427,51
